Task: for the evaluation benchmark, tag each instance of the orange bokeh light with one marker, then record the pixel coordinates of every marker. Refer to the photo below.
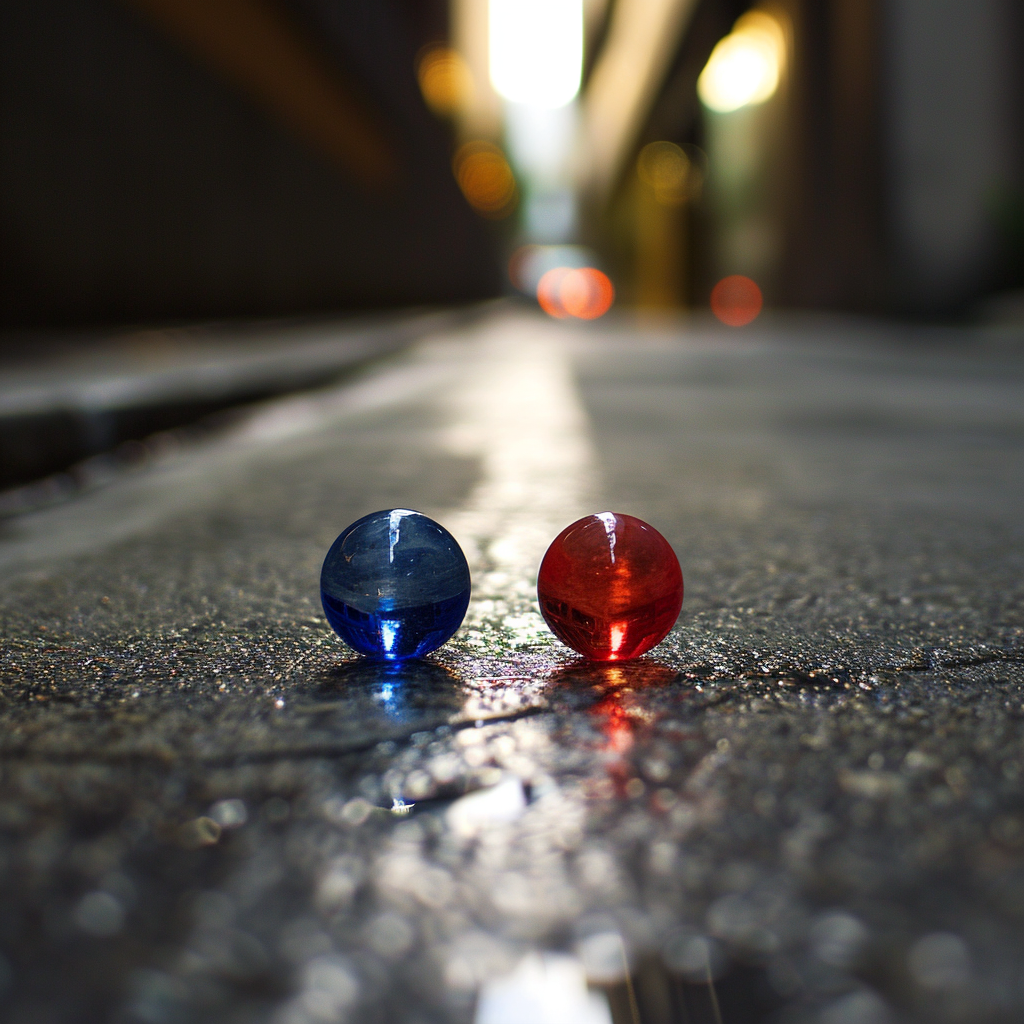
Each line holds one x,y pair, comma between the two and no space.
581,292
586,293
445,79
549,292
736,300
485,178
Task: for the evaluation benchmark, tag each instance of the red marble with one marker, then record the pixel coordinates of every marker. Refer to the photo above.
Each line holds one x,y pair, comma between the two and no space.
610,587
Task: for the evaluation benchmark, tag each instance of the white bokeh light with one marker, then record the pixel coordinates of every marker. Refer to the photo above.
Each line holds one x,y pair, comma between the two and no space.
744,67
536,50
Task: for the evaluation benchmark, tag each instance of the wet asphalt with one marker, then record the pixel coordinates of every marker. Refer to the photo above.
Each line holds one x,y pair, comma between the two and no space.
806,805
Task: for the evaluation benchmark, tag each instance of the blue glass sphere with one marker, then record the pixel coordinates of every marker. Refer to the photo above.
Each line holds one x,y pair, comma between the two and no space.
395,584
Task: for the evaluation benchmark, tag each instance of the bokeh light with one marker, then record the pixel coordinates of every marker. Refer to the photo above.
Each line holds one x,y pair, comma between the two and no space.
486,179
736,300
445,80
520,265
745,66
586,293
581,292
549,292
666,169
536,50
529,263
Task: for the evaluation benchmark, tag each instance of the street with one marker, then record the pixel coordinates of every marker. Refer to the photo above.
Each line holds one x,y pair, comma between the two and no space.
807,804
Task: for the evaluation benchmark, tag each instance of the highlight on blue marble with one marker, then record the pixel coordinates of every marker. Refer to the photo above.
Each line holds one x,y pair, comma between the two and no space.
395,584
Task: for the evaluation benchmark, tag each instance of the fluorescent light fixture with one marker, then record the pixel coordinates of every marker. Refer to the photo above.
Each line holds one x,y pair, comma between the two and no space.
536,50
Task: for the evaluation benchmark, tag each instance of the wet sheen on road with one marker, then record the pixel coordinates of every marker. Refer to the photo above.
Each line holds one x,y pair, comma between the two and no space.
805,805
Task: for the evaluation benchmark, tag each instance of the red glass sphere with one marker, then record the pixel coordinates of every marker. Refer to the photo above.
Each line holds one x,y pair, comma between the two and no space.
610,587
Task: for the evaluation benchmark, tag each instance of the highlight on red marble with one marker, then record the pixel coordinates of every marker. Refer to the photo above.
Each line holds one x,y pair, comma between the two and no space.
610,587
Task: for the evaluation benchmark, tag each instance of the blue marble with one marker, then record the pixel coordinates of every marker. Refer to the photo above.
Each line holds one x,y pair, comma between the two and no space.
395,584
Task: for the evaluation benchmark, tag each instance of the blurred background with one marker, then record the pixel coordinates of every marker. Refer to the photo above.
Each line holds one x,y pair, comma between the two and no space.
166,165
166,160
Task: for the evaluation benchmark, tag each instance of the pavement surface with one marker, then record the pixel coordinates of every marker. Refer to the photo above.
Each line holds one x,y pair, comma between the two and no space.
806,805
66,399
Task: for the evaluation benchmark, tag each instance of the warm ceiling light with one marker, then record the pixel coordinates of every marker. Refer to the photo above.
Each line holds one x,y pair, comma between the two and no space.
536,50
744,67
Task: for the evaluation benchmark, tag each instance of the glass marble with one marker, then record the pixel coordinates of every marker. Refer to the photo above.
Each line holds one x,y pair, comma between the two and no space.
610,587
395,584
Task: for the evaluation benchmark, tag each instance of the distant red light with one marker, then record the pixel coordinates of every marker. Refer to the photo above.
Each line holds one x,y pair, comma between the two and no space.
736,300
586,293
583,292
549,292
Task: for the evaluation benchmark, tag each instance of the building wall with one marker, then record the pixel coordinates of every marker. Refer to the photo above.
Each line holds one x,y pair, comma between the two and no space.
949,144
887,173
136,184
